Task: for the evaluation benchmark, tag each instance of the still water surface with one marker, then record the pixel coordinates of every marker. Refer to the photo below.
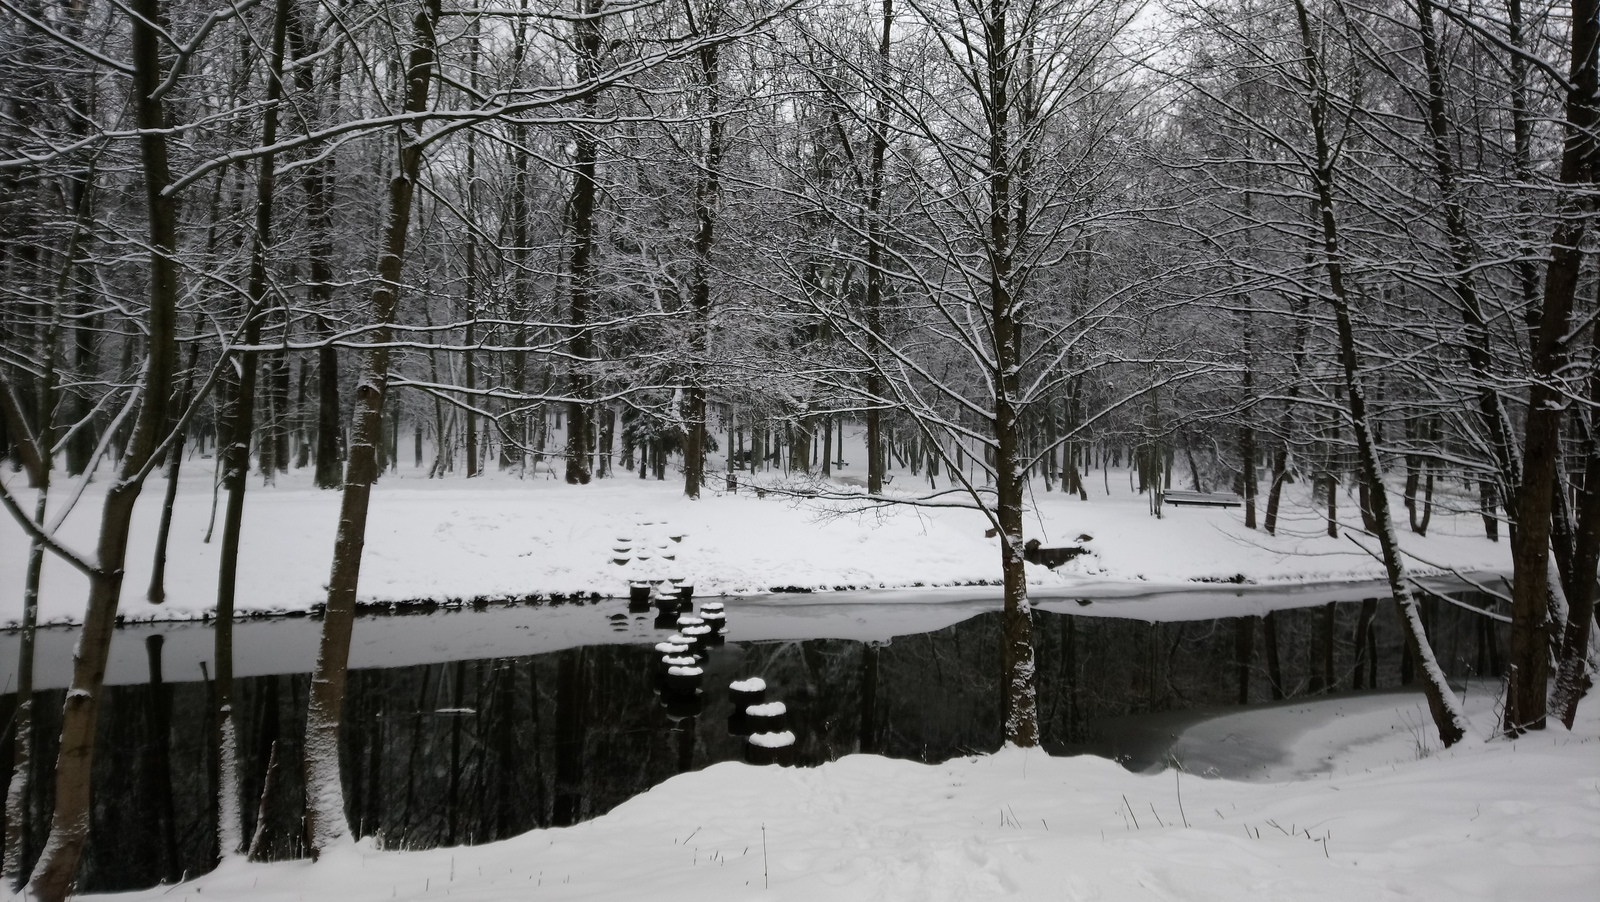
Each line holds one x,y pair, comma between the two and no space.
467,727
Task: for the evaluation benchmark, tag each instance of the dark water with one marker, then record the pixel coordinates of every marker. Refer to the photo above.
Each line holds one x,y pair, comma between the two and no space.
477,750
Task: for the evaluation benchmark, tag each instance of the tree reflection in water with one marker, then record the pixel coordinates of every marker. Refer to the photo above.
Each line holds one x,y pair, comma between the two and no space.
473,751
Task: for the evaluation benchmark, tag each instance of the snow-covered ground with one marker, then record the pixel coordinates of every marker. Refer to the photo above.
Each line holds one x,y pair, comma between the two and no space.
1335,798
501,536
1360,804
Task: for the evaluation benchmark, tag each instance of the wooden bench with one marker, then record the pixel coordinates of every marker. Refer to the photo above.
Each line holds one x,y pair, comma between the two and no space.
1202,499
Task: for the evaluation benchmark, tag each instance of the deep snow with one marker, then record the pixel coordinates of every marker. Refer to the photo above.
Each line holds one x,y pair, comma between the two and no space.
502,536
1360,805
1339,798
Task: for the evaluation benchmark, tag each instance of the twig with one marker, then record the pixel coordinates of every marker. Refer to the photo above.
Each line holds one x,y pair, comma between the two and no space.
1130,811
1442,597
1177,779
47,539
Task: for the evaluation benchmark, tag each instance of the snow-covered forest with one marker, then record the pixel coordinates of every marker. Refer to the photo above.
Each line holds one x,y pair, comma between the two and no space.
323,305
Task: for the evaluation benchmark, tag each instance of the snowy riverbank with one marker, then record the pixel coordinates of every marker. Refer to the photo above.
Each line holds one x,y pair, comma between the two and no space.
499,536
1360,806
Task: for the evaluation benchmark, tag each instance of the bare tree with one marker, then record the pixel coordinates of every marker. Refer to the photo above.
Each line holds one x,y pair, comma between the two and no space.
326,824
1528,673
968,349
69,829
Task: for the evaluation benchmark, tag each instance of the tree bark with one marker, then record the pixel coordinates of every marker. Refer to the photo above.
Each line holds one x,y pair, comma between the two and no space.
580,439
157,592
69,829
1572,678
468,362
22,718
1528,672
707,194
1017,658
236,458
325,814
877,153
1442,703
317,184
1491,415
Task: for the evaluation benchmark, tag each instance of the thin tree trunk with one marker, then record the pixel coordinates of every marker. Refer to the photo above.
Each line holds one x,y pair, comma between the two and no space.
1572,678
317,184
1017,658
1442,703
468,363
1492,417
877,153
588,42
1269,625
35,444
1280,460
158,568
706,201
325,815
69,830
22,719
16,423
236,460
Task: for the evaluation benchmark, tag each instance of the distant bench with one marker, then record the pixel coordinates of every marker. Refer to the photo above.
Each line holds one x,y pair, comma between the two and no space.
1202,499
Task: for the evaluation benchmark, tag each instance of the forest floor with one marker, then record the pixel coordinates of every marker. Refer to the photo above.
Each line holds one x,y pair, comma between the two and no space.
1352,799
500,536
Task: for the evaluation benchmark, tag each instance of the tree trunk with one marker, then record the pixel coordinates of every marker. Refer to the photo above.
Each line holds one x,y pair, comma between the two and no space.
1572,677
325,815
236,461
69,829
1491,414
1442,703
468,364
22,718
1247,432
877,152
1280,459
1017,659
157,592
707,195
317,184
1527,676
580,440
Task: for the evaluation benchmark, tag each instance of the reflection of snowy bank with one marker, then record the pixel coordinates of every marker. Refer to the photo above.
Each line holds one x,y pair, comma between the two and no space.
289,645
1485,820
499,537
1286,740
